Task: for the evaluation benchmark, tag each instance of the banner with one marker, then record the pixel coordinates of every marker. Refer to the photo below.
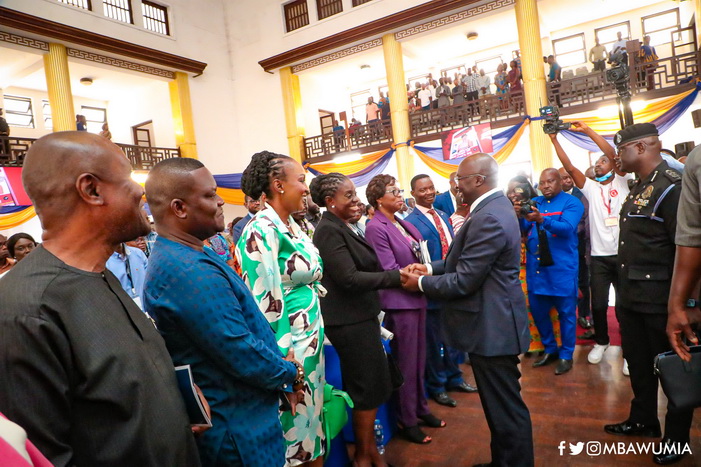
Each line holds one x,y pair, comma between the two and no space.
467,141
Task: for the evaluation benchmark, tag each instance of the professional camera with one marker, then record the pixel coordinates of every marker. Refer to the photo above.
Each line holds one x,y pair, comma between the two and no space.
619,73
553,124
526,207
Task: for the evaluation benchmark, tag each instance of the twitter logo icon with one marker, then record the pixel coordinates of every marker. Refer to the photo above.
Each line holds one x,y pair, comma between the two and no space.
576,449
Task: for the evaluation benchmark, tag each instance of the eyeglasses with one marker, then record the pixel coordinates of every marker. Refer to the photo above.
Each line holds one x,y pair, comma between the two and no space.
457,178
395,192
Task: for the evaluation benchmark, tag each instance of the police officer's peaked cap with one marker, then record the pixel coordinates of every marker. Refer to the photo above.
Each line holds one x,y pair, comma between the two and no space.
635,132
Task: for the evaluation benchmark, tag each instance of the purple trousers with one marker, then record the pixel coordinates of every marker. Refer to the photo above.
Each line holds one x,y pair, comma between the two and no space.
409,350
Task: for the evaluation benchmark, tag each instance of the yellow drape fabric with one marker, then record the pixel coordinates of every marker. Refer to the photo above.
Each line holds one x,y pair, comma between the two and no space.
609,126
348,168
231,195
8,221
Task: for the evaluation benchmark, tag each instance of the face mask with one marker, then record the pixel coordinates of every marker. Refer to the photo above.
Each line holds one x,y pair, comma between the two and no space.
603,178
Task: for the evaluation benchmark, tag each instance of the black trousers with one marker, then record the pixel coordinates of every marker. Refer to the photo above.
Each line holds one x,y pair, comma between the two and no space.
603,273
507,415
584,303
643,336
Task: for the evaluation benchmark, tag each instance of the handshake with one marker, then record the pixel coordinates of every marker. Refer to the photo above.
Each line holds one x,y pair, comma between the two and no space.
410,276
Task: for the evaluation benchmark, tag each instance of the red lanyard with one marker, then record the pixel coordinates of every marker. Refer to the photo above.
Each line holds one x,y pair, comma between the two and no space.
608,206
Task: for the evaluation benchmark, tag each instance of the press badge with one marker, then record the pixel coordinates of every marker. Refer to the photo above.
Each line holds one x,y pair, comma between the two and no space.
611,222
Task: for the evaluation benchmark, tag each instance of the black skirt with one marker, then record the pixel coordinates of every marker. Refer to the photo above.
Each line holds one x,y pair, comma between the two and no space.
364,367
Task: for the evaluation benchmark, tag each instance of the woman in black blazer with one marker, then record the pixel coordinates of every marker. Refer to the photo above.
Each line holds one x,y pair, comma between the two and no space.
352,274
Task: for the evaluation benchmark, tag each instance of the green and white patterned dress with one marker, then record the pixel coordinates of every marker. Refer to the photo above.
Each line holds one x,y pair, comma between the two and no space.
283,268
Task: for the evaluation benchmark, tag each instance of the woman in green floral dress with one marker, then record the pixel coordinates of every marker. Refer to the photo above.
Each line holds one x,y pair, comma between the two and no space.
282,267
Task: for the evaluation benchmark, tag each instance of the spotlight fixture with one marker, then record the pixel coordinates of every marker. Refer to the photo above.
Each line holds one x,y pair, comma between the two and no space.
86,81
471,36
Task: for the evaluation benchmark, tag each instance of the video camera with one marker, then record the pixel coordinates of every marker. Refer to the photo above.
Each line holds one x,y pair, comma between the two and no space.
619,73
552,124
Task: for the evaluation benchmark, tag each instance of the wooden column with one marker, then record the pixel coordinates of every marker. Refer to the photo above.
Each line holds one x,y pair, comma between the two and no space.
292,104
58,82
534,87
399,106
183,122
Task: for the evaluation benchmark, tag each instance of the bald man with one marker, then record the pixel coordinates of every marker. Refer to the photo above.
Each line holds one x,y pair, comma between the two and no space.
485,310
210,320
84,371
552,226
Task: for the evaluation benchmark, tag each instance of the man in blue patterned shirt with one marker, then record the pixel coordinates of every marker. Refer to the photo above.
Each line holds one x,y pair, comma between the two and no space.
209,320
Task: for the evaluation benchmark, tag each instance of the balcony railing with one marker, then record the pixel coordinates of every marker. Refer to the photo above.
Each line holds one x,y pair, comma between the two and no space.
13,151
582,92
356,137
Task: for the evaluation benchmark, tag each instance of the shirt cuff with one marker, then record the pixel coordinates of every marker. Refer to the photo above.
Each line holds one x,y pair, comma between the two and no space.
429,270
420,286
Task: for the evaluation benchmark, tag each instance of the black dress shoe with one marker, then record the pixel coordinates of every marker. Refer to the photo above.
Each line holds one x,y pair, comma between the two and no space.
669,455
633,429
546,359
589,335
463,387
444,399
563,366
584,322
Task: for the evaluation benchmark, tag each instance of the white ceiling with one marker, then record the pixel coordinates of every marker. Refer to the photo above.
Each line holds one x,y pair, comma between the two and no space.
24,69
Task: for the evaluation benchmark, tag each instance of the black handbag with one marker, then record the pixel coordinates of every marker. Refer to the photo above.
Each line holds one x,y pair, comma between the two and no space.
681,381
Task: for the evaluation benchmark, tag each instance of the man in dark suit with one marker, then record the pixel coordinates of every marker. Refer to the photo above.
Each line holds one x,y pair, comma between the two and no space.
446,201
485,309
442,369
253,206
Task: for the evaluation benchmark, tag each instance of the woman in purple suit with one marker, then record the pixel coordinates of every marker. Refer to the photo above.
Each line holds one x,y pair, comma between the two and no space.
396,244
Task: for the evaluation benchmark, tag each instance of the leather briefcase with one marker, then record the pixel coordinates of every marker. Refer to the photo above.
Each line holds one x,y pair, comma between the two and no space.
681,381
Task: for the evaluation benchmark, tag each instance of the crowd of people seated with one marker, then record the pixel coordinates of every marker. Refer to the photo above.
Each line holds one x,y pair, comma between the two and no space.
93,329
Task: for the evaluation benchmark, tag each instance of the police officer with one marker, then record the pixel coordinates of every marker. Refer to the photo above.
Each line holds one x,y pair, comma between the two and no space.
648,221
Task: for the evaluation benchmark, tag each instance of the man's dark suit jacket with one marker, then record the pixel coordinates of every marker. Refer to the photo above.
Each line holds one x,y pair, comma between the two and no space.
352,273
485,308
445,203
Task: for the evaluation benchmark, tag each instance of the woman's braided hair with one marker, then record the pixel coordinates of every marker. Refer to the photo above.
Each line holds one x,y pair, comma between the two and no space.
325,185
265,166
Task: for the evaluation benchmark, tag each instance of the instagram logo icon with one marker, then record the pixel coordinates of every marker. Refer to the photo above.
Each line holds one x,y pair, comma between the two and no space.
593,448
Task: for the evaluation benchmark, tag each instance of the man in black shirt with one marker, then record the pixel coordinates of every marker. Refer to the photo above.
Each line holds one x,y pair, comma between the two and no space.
646,249
84,371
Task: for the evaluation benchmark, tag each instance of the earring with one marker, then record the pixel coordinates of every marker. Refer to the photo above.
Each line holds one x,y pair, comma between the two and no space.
282,192
333,206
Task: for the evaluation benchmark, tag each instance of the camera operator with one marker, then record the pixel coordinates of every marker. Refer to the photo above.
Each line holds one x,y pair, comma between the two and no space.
552,265
606,193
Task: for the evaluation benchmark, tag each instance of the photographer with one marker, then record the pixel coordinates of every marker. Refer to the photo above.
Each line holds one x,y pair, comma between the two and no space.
552,265
606,194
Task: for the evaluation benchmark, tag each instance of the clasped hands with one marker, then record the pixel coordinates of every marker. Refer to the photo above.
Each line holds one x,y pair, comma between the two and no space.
297,393
410,276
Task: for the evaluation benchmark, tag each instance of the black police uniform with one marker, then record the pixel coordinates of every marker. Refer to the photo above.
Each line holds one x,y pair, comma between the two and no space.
648,223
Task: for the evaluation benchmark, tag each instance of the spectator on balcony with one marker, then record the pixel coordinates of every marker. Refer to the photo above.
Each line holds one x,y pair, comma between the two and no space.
372,111
443,93
502,84
648,56
339,136
458,92
4,127
384,107
106,133
555,72
484,83
432,86
598,56
81,123
425,97
619,49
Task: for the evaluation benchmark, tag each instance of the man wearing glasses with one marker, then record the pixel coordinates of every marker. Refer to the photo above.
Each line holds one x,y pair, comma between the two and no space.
484,307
